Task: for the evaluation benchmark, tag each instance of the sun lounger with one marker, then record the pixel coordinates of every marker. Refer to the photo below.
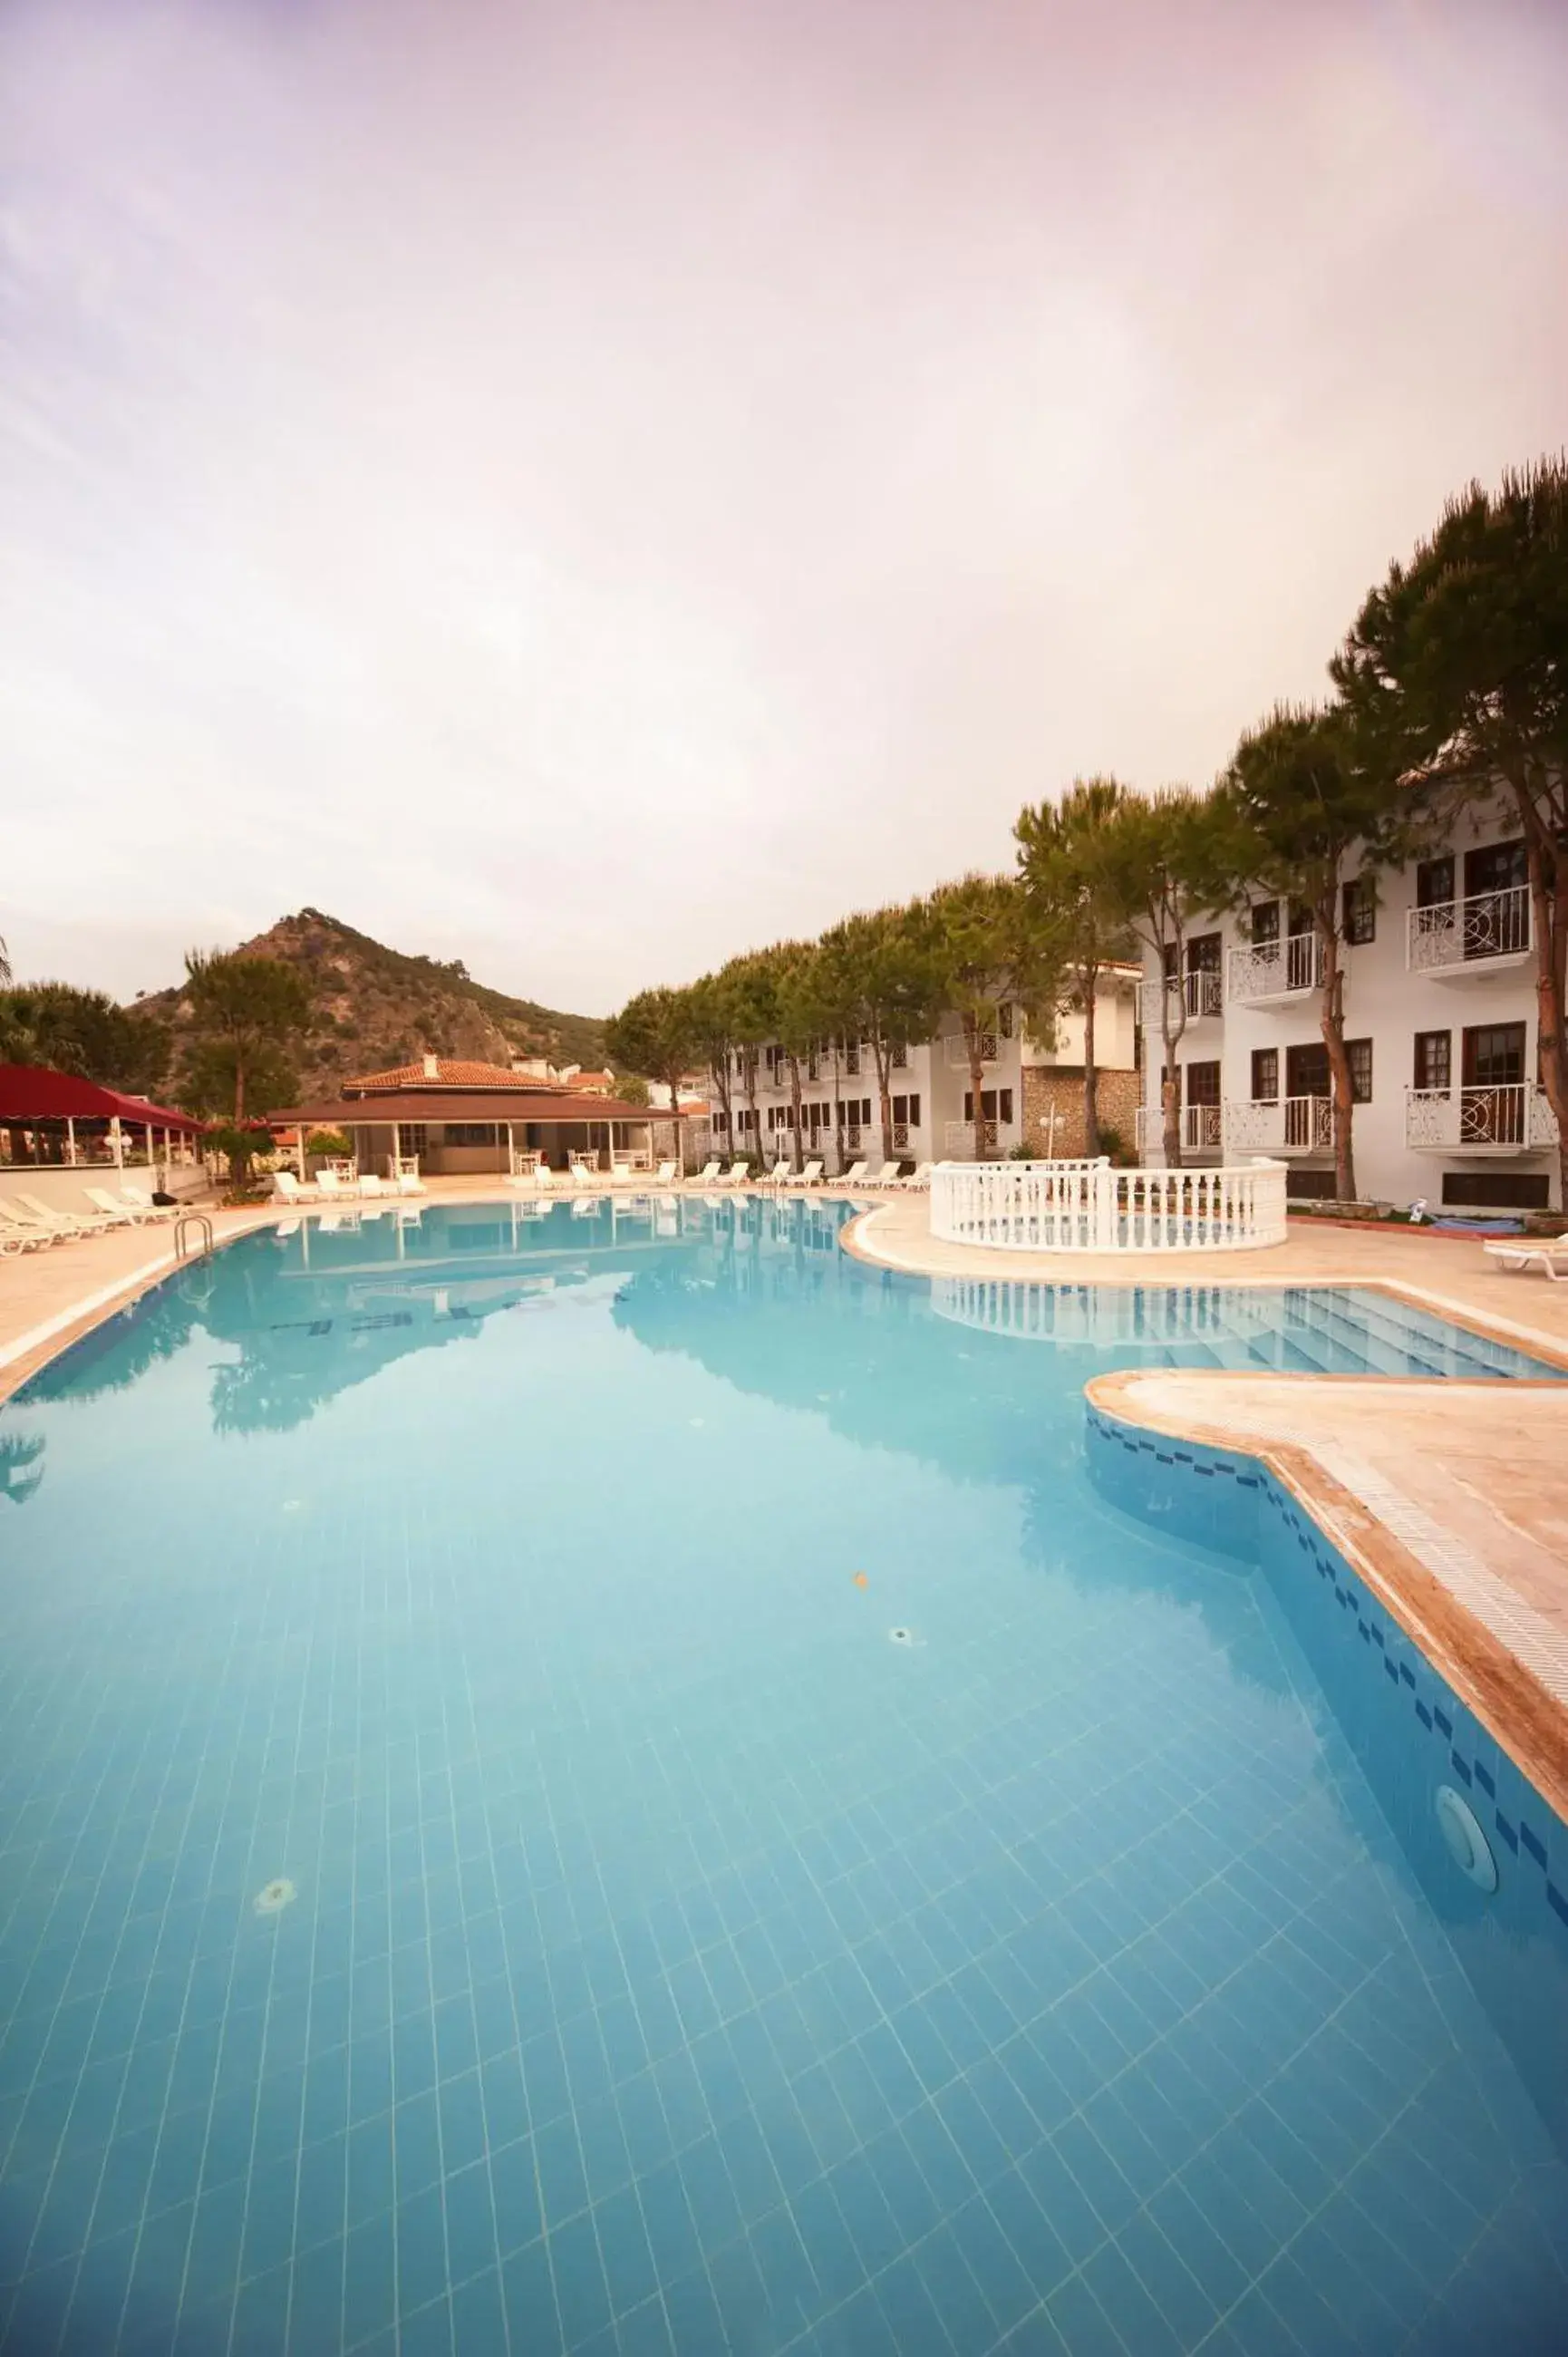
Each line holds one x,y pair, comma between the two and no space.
334,1190
409,1182
1549,1255
583,1176
781,1174
887,1177
734,1177
707,1176
289,1190
854,1176
808,1175
665,1174
920,1176
118,1215
22,1234
141,1206
91,1222
371,1185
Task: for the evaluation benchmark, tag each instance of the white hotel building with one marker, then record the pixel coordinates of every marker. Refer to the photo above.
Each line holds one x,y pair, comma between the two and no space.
1440,1018
1029,1092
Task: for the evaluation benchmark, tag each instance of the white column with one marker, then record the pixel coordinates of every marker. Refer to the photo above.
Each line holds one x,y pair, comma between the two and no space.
117,1143
511,1154
70,1141
299,1154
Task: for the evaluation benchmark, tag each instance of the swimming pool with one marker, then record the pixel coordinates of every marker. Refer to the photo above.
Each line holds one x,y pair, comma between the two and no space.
620,1781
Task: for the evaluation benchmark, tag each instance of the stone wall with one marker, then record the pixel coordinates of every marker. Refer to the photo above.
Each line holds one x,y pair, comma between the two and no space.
1117,1097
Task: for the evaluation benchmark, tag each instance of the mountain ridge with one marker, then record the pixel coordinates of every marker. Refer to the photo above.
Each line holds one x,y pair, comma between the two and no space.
371,1007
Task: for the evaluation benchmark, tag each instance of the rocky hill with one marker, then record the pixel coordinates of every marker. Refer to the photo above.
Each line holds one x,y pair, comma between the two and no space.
372,1007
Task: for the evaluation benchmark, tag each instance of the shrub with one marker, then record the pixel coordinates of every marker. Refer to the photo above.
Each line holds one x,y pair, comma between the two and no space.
329,1141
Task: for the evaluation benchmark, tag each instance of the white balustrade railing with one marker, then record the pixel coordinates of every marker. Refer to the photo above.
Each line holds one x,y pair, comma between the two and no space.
1279,1124
1459,932
1200,992
1275,969
1090,1207
1200,1129
1511,1116
958,1050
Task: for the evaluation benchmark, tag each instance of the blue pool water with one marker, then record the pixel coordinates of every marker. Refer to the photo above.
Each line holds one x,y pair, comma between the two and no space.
656,1952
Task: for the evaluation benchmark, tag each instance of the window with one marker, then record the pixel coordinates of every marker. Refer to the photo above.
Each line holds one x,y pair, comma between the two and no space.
1306,1071
1359,1055
1359,912
1493,1055
1434,1059
898,1056
411,1139
721,1119
1510,1190
1497,868
1202,1084
1004,1025
995,1104
1299,919
1168,960
1006,1111
854,1110
1433,882
908,1109
1265,923
1265,1075
1203,954
470,1133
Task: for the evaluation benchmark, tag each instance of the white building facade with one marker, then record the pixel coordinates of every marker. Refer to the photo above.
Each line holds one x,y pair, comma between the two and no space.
1029,1093
1440,1021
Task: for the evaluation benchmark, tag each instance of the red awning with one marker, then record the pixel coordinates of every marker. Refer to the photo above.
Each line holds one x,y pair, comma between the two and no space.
34,1093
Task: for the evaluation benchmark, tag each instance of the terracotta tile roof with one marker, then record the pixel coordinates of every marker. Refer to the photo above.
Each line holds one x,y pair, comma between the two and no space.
450,1072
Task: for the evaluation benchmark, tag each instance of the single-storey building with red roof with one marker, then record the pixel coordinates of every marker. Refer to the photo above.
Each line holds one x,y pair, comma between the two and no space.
448,1117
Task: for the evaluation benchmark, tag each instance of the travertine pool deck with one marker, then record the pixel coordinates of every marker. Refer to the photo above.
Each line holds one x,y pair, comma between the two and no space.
1451,1498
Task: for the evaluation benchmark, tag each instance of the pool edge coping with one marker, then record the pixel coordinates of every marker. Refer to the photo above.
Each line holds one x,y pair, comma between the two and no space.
1503,1691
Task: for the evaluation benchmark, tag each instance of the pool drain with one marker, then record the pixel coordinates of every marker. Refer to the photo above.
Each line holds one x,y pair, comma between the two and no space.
902,1637
1467,1844
275,1896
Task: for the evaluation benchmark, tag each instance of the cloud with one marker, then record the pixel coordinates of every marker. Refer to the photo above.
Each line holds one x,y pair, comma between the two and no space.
586,488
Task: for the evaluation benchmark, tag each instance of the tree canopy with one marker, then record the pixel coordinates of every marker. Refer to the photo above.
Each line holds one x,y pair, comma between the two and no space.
248,1011
85,1033
1457,667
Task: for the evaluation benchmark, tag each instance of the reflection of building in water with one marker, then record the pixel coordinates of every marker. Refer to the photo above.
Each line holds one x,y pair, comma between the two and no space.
1105,1315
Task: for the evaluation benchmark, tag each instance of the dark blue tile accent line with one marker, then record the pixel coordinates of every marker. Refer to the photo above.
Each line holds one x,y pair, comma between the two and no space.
1413,1691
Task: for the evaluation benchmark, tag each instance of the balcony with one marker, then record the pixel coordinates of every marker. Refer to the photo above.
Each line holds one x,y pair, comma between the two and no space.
1513,1118
1278,1126
1274,974
1201,1128
1201,994
958,1051
1483,938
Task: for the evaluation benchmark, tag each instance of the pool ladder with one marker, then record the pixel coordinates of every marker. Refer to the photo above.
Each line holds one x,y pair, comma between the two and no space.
192,1220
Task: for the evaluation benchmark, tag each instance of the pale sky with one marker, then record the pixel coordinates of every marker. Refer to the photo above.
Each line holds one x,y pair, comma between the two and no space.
591,487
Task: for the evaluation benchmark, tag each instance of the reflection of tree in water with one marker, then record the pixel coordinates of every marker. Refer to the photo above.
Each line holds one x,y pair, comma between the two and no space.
20,1468
123,1349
